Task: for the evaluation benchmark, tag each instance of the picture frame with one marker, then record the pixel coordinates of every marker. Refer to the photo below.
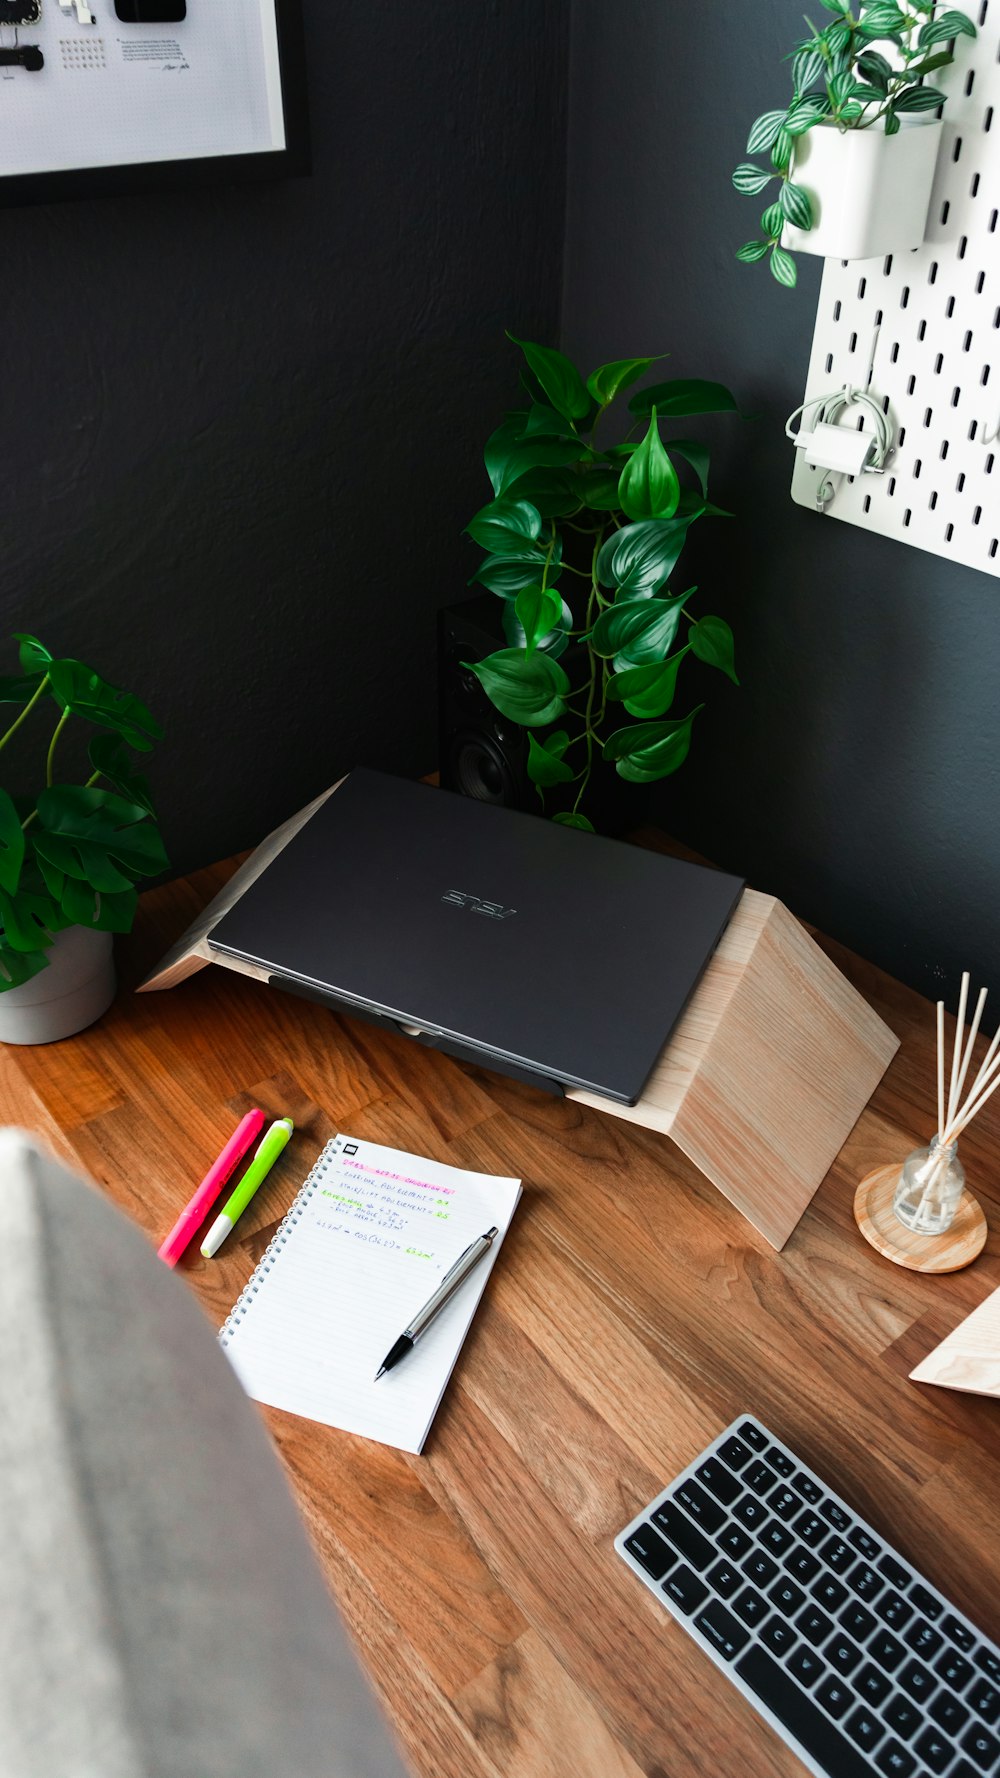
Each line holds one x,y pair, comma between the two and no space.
148,94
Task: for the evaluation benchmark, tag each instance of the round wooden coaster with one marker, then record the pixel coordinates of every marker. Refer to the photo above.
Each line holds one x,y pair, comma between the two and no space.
881,1227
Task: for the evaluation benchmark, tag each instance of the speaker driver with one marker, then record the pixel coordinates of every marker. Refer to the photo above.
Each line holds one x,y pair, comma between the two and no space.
478,767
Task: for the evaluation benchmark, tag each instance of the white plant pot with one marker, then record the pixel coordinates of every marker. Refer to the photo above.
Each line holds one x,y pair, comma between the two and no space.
869,191
75,988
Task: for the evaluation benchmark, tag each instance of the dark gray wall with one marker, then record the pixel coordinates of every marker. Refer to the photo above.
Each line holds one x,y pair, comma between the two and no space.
856,771
242,428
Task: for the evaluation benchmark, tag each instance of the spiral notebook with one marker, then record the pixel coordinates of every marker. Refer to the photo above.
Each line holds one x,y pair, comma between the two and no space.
366,1242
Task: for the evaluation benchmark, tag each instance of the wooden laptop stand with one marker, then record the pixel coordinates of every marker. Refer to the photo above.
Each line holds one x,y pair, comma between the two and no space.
763,1079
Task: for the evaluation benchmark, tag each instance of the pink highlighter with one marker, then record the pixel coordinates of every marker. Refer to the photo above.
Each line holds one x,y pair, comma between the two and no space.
193,1214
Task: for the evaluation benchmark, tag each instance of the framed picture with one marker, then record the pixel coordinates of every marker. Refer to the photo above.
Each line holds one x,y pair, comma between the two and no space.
120,95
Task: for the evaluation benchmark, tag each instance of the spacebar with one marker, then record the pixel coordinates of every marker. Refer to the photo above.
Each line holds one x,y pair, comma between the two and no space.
801,1717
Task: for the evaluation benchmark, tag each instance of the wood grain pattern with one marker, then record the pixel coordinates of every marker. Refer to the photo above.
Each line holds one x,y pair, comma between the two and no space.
881,1227
635,1312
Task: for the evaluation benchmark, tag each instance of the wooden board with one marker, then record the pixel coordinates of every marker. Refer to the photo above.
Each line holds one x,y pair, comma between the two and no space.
634,1314
882,1229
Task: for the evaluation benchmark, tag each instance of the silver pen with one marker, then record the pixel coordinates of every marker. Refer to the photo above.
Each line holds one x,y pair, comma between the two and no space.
453,1278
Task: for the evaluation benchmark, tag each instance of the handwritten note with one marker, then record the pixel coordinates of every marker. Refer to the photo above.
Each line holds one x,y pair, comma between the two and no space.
367,1241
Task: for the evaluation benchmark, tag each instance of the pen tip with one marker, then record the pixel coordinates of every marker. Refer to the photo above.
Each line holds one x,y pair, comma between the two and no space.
380,1373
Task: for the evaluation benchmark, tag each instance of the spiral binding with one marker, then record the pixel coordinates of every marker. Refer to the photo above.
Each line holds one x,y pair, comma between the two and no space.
265,1264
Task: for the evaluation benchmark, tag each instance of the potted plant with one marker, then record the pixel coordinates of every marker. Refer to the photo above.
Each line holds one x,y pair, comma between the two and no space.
855,150
582,537
70,853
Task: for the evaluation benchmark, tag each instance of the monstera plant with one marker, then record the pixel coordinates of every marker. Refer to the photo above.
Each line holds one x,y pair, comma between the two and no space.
583,536
71,854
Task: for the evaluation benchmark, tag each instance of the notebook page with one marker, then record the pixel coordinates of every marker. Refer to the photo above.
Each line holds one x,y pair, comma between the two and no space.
969,1358
366,1244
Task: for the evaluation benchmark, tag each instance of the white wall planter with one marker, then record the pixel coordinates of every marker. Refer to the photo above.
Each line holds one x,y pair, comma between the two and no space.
77,986
869,191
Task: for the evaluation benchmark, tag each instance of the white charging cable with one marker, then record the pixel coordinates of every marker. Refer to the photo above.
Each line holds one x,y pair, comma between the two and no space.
839,449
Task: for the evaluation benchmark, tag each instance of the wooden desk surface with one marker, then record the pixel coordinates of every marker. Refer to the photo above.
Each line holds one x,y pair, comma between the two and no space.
632,1315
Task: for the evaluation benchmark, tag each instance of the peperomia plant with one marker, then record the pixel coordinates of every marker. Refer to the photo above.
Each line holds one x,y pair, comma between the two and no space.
840,77
71,854
582,538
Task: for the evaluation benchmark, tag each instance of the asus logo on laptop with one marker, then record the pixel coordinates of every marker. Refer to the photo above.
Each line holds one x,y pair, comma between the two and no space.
476,905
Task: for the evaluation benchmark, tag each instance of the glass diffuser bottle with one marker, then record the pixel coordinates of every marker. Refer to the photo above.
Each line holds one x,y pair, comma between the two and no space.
930,1187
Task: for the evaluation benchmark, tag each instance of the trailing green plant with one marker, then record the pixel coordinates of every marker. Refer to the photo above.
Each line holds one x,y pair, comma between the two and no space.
581,540
839,77
71,854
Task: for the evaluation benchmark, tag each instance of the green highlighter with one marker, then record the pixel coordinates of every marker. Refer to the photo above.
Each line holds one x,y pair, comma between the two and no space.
271,1145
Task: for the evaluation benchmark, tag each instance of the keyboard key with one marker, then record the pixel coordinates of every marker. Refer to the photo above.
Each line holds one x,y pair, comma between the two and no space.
867,1545
778,1460
808,1489
751,1606
778,1635
814,1625
985,1700
806,1665
776,1538
934,1749
720,1482
648,1547
803,1564
894,1761
894,1571
835,1696
872,1685
700,1506
843,1654
857,1620
923,1639
981,1746
988,1661
893,1609
734,1453
953,1669
835,1514
926,1602
960,1634
753,1436
886,1650
831,1593
750,1511
685,1537
811,1529
947,1712
759,1477
724,1579
784,1503
734,1541
866,1583
720,1628
837,1554
787,1597
864,1728
902,1715
760,1569
686,1590
917,1680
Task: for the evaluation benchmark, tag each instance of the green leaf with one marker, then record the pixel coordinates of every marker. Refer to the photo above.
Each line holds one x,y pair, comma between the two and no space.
19,691
764,130
892,123
558,377
930,64
840,87
919,98
551,491
684,395
33,655
553,642
835,5
544,422
11,844
109,755
750,179
639,559
639,630
529,688
97,837
805,112
808,66
83,906
81,690
697,455
711,640
783,268
608,380
795,205
876,68
772,222
752,250
598,488
545,762
537,612
647,691
881,19
28,920
650,750
508,575
18,967
781,153
837,37
569,818
509,454
505,526
648,487
945,26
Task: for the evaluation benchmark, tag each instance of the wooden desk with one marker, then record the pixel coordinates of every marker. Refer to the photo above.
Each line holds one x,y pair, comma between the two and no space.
632,1315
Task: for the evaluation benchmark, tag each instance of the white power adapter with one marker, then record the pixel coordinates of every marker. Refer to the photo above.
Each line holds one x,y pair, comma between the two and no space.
841,449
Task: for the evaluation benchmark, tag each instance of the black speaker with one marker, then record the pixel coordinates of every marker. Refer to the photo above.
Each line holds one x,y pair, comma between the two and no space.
484,754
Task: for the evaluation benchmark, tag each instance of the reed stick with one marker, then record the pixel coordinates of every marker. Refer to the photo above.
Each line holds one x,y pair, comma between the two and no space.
957,1050
940,1064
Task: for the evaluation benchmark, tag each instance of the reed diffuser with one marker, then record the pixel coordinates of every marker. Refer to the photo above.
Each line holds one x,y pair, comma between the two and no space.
932,1180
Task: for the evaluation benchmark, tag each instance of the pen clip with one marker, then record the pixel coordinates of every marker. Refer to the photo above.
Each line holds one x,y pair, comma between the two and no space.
489,1237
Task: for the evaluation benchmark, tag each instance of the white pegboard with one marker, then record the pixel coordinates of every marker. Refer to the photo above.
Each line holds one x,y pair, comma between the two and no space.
937,356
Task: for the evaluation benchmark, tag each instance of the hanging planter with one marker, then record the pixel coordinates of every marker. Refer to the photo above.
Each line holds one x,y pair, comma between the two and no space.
869,192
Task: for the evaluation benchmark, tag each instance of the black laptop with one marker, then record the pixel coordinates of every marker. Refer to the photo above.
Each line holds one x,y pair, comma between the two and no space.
530,947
